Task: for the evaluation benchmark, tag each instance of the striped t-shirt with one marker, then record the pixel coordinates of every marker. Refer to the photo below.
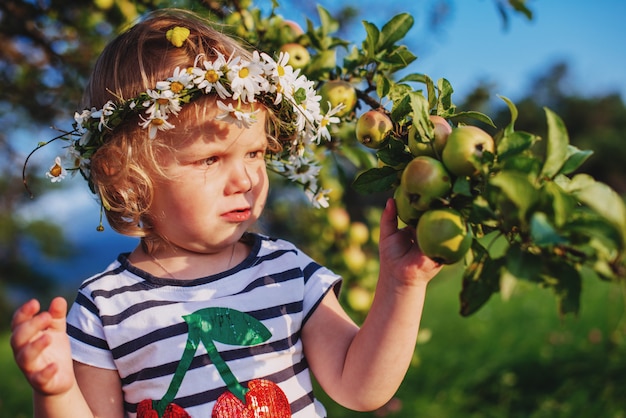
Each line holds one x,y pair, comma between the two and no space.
142,326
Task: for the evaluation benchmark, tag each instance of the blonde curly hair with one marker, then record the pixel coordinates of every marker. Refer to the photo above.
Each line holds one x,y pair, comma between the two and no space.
124,169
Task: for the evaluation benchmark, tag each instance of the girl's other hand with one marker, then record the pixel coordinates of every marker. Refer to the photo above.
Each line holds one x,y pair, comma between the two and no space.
41,347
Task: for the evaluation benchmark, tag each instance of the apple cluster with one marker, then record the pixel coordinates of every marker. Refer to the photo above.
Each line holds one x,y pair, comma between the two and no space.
423,197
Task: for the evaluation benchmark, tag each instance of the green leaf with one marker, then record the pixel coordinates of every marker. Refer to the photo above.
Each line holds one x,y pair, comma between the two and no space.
510,128
371,40
401,108
557,145
374,180
393,153
327,22
383,85
602,199
421,121
518,189
514,143
394,30
523,265
480,280
568,286
542,232
445,107
479,116
561,203
575,158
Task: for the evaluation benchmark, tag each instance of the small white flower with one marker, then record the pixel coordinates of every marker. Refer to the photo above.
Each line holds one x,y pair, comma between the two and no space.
228,113
165,101
57,172
78,161
302,169
319,199
246,79
181,80
209,76
156,121
325,120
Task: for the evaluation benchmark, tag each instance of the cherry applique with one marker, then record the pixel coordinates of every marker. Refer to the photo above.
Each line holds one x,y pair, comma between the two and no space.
264,399
145,410
261,399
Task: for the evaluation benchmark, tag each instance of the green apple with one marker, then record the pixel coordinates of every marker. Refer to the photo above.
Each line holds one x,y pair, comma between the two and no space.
290,31
359,233
337,92
441,130
299,56
442,235
359,298
372,128
339,219
406,212
464,150
425,180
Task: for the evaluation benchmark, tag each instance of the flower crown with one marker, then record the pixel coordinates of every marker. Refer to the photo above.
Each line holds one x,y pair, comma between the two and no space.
273,83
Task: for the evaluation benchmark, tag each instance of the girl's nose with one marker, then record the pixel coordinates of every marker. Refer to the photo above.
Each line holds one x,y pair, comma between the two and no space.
239,179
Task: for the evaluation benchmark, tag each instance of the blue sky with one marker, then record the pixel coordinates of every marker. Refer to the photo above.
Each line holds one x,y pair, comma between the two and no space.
473,46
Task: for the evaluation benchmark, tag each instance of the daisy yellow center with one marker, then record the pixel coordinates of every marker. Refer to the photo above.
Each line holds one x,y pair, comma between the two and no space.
281,70
212,76
244,72
324,122
56,170
176,87
158,121
162,101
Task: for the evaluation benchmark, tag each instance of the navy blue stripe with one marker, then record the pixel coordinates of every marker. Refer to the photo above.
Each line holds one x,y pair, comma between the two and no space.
79,335
310,270
281,277
87,303
110,320
113,272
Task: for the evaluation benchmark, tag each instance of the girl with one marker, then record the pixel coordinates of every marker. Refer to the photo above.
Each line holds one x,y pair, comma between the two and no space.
205,318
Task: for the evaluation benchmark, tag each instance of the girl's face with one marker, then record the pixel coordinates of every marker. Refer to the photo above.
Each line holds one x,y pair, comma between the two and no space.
216,188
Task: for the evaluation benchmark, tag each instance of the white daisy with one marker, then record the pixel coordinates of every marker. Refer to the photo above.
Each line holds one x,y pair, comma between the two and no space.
56,172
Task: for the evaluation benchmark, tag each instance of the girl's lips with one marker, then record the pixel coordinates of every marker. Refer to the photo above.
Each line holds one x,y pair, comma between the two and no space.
240,215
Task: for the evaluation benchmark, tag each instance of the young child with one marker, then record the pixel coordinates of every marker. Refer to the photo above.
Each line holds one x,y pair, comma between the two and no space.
205,318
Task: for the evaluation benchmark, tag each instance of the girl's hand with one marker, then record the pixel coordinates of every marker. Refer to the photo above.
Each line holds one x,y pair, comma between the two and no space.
400,256
41,347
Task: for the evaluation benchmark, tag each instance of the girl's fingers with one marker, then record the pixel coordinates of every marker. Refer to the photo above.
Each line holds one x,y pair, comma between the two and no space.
58,308
25,312
389,220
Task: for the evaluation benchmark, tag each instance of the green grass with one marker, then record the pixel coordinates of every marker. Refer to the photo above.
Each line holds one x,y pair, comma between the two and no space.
511,359
515,358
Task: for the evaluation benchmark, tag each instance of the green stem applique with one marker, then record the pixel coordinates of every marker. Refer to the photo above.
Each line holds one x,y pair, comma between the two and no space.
224,325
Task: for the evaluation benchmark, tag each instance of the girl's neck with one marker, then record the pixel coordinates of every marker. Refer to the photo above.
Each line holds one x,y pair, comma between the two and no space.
185,265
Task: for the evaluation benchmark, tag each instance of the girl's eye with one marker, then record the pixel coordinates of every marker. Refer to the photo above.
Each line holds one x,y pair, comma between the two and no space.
209,161
257,154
